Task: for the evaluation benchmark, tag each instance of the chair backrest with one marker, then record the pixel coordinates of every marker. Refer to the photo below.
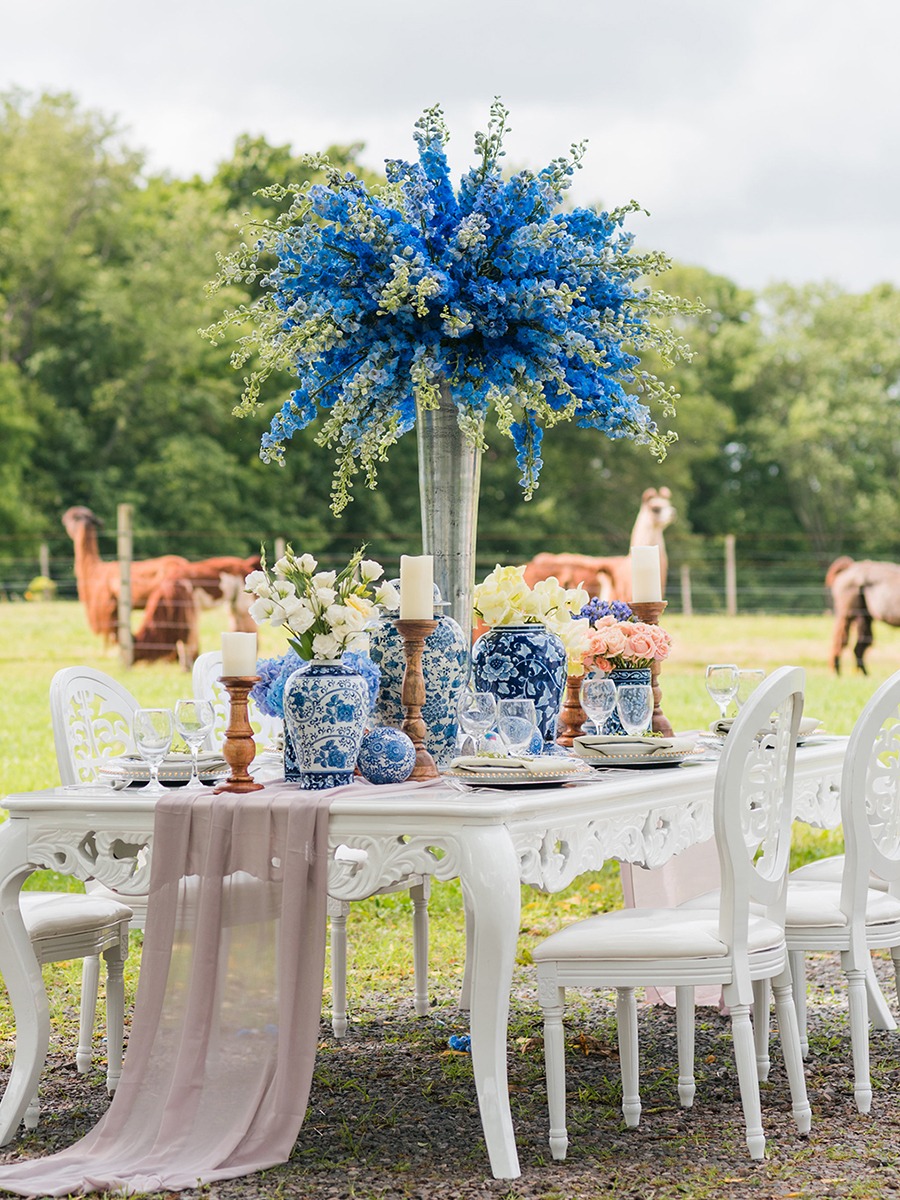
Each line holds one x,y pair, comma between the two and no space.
870,799
91,716
206,684
753,795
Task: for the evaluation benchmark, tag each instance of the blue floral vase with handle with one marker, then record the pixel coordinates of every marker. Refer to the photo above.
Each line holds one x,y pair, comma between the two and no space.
445,665
613,726
523,662
326,707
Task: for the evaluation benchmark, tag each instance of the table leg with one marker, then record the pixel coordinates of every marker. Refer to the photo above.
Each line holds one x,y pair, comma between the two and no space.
489,874
24,983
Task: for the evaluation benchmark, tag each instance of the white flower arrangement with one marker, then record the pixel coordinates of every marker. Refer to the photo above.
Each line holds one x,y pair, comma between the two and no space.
323,612
504,598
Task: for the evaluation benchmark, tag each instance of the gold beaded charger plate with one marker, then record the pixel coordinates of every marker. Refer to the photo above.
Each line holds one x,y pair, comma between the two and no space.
636,752
528,771
175,769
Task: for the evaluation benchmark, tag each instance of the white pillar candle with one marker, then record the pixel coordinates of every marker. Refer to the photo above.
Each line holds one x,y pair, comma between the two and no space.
416,587
646,584
238,654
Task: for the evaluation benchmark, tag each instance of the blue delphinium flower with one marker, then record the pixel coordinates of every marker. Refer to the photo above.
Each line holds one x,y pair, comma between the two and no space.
385,299
595,609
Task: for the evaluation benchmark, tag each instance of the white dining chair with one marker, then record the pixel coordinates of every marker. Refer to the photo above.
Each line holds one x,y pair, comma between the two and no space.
207,671
67,925
740,944
849,914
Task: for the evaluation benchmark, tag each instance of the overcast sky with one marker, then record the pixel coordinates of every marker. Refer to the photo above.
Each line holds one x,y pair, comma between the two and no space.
762,135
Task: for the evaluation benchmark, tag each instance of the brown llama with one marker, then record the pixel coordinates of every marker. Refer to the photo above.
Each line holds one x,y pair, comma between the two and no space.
862,592
610,578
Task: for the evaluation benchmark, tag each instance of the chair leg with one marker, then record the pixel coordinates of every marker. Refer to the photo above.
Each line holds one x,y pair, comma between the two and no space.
115,1010
745,1059
797,960
337,911
684,1019
555,1071
761,1028
859,1038
419,895
90,981
879,1011
789,1033
626,1021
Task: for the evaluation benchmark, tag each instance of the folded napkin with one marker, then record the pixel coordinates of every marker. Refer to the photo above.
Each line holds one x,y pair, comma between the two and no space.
544,763
613,746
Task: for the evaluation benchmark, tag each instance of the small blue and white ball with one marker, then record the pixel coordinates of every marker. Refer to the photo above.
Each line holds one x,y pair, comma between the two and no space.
386,755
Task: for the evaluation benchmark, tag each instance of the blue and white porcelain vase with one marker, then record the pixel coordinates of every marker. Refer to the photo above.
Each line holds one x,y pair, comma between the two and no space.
326,706
523,662
445,665
619,675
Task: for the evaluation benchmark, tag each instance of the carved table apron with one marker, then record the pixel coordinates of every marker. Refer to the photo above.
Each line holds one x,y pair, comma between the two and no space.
492,840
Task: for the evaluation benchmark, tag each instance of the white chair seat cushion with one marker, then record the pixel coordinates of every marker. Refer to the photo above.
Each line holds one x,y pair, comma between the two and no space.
639,934
831,870
811,904
52,914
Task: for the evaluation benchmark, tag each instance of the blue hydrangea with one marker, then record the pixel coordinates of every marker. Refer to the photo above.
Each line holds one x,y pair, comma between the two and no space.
381,295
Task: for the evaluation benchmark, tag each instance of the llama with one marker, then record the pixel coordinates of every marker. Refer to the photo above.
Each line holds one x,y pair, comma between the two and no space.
610,578
862,592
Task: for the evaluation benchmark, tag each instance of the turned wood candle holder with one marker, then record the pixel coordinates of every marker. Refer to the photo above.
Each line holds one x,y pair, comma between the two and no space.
412,693
571,716
240,748
649,611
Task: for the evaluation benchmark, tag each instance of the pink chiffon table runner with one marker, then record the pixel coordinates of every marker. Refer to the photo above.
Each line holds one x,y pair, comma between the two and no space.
223,1039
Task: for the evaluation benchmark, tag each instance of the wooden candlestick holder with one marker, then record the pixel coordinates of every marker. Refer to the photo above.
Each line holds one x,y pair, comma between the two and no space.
649,611
571,716
240,748
412,693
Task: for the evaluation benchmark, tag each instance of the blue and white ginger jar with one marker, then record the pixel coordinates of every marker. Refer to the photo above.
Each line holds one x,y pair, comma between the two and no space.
445,665
523,662
613,727
326,707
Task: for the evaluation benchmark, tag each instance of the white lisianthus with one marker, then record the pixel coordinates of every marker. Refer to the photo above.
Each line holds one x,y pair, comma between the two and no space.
324,597
306,563
300,619
324,579
327,645
257,583
387,597
283,589
284,566
261,610
369,570
575,636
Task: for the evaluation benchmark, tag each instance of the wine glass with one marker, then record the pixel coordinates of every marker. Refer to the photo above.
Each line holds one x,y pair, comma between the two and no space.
598,698
634,704
153,730
477,713
722,684
517,724
749,679
194,721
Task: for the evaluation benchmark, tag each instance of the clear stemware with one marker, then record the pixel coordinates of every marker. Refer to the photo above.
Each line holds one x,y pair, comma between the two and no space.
722,683
477,713
634,704
516,724
749,679
194,721
153,730
598,698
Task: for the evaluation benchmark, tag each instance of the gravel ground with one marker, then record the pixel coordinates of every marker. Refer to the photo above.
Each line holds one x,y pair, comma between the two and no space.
393,1114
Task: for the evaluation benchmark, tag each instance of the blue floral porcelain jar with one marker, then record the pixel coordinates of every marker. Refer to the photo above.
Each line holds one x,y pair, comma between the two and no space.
613,726
445,665
386,755
526,662
326,705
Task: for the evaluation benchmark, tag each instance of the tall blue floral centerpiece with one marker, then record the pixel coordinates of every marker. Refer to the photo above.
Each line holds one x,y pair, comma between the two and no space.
417,302
533,639
325,701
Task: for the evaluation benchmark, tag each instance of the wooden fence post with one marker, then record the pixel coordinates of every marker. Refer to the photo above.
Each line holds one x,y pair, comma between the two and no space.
44,560
280,547
687,606
124,552
730,576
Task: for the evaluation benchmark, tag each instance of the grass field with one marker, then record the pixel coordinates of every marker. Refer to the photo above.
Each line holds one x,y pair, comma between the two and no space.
38,639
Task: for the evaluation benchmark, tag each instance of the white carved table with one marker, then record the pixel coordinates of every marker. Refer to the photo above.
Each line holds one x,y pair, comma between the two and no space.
491,840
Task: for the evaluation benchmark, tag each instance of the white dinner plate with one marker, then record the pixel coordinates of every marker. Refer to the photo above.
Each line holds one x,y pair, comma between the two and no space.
174,770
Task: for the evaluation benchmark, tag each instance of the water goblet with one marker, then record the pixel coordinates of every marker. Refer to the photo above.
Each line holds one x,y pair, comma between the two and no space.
634,704
516,724
194,721
598,698
153,730
749,679
477,712
722,683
